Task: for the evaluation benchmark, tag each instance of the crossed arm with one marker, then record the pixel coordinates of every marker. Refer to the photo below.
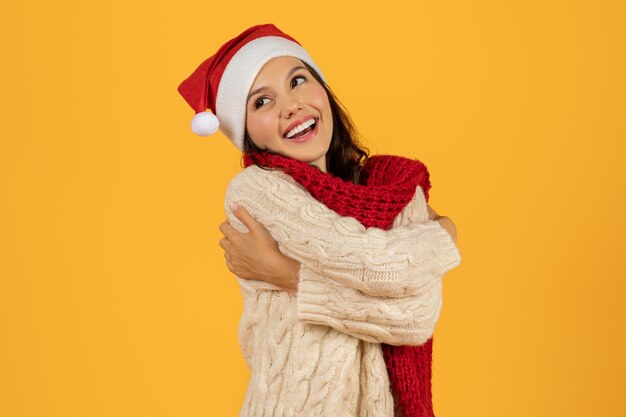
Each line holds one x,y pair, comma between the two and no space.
382,286
255,255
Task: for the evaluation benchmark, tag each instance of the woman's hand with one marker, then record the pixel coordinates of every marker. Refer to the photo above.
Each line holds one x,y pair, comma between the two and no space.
444,221
255,255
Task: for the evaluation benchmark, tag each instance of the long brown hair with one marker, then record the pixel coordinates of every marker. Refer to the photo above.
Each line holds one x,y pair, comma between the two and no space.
345,156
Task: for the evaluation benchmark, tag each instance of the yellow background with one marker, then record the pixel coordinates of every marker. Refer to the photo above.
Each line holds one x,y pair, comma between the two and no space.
114,296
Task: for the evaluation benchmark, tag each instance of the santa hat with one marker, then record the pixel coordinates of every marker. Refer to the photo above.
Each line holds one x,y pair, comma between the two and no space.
222,82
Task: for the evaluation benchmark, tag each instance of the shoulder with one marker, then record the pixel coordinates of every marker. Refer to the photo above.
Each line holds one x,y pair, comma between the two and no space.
395,164
254,176
255,183
385,168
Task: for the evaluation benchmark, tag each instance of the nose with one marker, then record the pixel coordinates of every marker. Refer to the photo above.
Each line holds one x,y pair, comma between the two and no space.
291,106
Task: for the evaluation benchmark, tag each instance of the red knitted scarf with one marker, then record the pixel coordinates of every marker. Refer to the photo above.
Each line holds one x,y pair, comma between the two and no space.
388,184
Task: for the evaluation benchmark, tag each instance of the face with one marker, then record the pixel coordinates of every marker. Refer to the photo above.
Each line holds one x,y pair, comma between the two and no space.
288,112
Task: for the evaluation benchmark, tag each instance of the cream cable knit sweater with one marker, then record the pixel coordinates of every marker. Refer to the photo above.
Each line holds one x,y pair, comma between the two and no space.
318,353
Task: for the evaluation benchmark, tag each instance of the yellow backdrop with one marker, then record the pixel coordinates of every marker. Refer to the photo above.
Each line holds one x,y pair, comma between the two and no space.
115,299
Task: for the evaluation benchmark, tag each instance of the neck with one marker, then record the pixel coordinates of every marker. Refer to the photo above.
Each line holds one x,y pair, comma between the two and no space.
321,165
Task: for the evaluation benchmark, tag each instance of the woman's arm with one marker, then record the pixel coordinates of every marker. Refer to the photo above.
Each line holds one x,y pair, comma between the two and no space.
409,320
406,320
255,255
398,262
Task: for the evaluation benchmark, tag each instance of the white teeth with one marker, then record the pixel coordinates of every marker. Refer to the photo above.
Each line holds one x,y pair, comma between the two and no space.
300,127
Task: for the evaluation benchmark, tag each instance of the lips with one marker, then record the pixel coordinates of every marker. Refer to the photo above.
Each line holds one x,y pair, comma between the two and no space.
305,137
296,123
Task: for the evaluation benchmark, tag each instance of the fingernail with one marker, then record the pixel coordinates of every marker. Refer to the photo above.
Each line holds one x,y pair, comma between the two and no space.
234,206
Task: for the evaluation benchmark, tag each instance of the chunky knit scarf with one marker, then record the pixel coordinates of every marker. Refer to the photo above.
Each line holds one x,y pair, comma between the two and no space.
386,186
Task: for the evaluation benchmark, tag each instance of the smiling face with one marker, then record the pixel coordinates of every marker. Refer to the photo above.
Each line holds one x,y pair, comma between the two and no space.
288,112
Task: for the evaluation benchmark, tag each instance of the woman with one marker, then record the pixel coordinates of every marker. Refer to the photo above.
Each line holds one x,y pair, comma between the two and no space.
324,291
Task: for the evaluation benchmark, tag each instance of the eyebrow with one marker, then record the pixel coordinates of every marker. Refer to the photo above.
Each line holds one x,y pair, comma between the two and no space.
258,90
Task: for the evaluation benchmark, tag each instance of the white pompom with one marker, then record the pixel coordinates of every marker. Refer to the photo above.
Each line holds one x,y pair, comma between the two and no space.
204,124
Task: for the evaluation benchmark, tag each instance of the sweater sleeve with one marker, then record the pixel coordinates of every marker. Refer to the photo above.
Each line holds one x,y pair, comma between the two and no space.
400,321
405,260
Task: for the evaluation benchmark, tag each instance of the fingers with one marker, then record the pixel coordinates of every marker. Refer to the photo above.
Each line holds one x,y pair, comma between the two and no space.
224,243
230,266
242,214
228,230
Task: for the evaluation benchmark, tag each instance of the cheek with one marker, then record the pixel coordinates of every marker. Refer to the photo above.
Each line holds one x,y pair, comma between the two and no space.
323,105
259,128
321,100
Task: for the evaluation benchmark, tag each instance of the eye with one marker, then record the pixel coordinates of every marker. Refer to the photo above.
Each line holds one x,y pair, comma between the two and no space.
259,102
294,81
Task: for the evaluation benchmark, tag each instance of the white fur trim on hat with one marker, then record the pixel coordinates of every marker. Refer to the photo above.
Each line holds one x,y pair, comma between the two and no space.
239,75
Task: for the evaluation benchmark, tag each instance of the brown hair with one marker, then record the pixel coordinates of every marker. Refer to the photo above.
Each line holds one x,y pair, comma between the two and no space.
346,155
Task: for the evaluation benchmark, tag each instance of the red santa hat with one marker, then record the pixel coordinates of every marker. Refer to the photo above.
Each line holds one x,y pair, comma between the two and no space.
222,82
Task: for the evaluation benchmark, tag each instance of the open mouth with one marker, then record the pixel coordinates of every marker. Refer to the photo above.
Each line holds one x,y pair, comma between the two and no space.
302,129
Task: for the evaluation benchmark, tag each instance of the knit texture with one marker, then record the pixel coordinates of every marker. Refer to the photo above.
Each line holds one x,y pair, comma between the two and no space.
319,353
387,185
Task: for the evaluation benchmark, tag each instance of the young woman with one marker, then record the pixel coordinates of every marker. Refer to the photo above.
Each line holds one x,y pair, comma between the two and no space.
339,258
